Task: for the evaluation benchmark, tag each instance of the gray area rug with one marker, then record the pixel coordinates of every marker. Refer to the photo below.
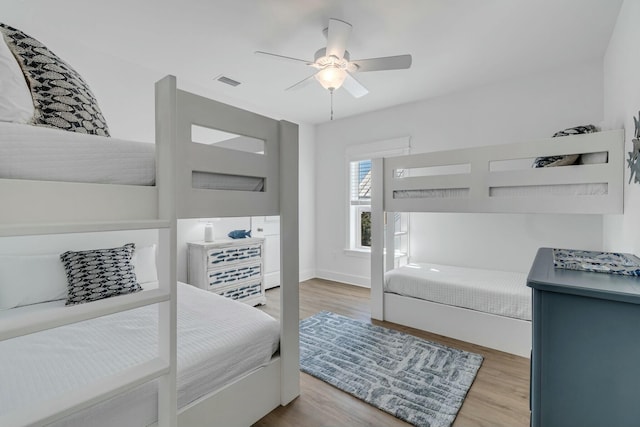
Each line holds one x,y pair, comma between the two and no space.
418,381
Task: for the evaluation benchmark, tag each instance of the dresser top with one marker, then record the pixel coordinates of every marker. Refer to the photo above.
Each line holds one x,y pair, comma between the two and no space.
218,242
544,276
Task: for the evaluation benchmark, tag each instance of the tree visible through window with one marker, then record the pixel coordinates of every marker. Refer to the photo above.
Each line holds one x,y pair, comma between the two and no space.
365,229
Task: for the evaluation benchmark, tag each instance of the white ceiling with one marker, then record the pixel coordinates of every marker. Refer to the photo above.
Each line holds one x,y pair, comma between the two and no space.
456,44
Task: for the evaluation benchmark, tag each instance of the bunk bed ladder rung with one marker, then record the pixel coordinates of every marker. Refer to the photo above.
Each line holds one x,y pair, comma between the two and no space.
57,408
36,322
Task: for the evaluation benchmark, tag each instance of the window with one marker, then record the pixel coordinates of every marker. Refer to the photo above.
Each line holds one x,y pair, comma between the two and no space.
360,204
358,158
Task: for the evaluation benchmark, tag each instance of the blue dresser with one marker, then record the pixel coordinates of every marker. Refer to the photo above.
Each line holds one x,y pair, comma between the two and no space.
585,361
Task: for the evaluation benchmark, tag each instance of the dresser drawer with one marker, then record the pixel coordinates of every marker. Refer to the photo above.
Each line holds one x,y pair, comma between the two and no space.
233,254
232,268
246,290
231,275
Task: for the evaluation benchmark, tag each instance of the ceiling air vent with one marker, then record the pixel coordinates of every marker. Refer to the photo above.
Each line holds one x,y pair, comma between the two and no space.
227,80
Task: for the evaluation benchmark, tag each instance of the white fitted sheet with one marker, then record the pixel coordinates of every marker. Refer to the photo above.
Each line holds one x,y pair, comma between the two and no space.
498,292
46,154
219,340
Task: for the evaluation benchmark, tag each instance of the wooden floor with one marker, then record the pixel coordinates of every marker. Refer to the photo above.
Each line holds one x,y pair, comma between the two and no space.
498,397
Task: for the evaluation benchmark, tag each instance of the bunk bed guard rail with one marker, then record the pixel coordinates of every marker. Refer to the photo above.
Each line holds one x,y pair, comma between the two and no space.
479,179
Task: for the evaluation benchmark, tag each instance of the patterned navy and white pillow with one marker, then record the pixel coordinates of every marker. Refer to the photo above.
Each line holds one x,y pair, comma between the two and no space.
570,159
100,273
61,97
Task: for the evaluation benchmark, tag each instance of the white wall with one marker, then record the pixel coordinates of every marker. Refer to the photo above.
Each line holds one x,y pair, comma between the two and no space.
621,104
513,111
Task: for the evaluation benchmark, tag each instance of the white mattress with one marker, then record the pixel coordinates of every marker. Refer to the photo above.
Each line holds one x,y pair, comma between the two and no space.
47,154
41,153
490,291
219,340
596,189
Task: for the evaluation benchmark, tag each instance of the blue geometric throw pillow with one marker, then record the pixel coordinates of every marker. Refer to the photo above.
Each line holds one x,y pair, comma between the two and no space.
100,273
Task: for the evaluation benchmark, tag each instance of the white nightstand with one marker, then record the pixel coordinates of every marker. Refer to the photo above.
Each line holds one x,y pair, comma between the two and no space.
231,268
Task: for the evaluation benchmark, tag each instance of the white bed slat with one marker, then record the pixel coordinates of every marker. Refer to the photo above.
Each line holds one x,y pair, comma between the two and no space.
58,408
79,227
26,201
58,316
579,174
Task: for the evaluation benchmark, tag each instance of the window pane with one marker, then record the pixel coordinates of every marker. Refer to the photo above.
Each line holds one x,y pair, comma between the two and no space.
365,229
360,185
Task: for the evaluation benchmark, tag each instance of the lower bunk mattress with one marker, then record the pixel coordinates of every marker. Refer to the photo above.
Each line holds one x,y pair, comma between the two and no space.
219,340
496,292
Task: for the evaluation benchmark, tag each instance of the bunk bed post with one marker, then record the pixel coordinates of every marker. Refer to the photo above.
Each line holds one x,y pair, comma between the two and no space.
289,264
166,158
377,239
389,242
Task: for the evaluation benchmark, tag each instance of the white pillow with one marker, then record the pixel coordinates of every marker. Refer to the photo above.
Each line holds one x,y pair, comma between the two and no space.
144,264
594,158
31,279
16,104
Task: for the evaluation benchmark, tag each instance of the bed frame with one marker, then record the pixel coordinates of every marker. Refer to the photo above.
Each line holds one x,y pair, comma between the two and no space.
40,208
476,174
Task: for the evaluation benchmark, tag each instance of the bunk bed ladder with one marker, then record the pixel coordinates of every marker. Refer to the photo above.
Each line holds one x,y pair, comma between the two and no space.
161,367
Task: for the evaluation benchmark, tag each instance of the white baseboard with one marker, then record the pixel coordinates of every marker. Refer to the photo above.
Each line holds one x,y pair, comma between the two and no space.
307,274
271,280
349,279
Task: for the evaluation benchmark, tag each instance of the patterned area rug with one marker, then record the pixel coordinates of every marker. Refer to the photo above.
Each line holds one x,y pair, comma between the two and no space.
418,381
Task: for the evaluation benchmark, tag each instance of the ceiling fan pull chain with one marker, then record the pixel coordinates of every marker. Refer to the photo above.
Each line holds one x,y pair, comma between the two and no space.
331,92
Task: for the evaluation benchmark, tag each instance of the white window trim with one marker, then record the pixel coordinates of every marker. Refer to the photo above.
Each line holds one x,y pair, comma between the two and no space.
353,153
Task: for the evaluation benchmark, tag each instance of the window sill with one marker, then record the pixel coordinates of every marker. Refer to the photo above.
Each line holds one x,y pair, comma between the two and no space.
358,253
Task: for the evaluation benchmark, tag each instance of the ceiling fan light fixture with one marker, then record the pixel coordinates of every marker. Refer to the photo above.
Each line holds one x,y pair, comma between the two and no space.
331,77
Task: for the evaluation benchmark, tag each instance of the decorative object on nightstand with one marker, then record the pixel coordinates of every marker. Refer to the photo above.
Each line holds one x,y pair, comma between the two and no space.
208,232
239,234
231,268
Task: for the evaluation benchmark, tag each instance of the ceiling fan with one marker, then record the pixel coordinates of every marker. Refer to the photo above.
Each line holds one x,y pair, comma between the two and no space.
334,66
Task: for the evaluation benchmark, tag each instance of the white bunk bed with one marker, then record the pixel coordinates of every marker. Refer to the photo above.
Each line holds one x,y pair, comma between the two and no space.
37,208
484,179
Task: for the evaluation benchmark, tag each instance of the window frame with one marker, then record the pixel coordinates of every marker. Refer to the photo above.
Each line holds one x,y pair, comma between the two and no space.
356,153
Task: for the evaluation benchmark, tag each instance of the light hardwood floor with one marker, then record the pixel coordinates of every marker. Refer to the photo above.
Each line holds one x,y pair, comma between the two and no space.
499,396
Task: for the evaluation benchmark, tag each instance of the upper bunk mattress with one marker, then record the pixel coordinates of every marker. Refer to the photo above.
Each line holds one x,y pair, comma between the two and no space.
46,154
219,340
497,292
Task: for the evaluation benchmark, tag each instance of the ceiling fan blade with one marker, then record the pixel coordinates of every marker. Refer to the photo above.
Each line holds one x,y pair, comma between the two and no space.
284,58
354,87
302,83
399,62
337,35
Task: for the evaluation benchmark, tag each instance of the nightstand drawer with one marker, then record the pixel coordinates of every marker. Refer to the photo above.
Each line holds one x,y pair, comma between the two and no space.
230,275
240,292
233,254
